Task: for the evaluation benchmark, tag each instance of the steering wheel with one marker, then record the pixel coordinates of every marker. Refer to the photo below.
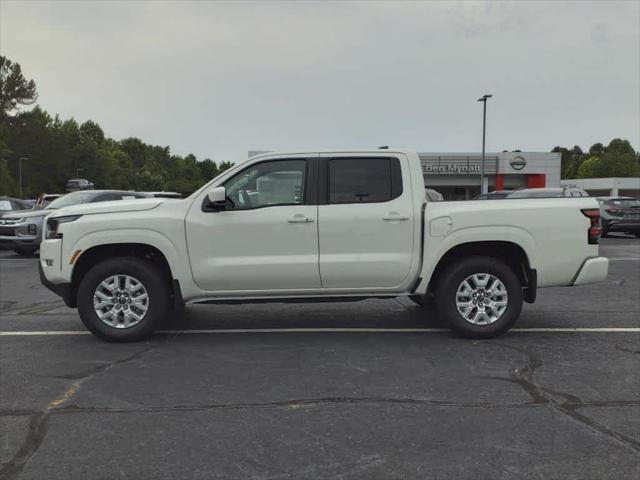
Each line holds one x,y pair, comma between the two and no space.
246,199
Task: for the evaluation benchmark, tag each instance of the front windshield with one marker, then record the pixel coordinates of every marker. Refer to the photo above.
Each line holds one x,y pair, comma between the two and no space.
70,199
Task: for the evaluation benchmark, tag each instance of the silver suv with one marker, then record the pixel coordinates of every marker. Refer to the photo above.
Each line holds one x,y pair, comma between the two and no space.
21,231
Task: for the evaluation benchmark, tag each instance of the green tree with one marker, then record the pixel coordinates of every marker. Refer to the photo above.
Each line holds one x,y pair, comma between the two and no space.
590,168
618,159
570,161
208,169
91,132
224,166
597,149
621,159
15,90
8,185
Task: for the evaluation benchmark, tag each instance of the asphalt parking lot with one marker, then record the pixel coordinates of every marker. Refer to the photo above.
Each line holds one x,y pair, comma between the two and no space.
288,393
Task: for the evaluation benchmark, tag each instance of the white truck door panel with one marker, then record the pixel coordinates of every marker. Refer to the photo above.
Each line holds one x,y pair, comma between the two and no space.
263,245
365,244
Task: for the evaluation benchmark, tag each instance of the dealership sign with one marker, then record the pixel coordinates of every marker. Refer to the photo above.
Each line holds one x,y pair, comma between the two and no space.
451,168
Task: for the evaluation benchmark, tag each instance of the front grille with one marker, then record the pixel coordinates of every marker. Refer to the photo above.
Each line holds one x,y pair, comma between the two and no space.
7,231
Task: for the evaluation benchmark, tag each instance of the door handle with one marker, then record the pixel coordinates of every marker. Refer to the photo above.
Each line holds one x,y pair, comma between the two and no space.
394,216
300,218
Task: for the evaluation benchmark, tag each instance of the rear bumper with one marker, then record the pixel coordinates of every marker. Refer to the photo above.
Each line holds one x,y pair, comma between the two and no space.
593,270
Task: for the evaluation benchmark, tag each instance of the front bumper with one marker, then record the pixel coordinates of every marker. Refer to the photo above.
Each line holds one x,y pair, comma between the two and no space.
19,242
593,270
63,290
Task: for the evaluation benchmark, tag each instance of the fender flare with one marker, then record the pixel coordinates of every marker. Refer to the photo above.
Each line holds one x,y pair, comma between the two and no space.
142,236
436,248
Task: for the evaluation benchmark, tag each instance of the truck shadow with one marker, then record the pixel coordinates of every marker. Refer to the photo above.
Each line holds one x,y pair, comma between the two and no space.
374,313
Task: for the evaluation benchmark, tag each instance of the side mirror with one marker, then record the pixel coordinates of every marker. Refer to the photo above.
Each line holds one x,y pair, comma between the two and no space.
217,196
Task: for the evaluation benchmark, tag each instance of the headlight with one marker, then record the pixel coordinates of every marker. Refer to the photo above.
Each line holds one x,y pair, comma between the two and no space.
53,223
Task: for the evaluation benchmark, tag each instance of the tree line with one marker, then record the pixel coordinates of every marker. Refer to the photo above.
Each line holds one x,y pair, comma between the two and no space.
617,159
55,150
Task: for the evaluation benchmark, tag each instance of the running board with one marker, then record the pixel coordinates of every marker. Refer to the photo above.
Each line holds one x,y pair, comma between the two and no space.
323,299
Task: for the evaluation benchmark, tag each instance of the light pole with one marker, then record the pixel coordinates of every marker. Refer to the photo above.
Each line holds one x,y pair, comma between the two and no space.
483,99
20,170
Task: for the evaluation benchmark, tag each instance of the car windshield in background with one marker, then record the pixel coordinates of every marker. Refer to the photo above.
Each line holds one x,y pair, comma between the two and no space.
624,202
71,199
536,194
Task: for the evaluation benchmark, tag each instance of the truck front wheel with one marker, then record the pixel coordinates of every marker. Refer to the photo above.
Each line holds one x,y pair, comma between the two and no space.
480,297
123,299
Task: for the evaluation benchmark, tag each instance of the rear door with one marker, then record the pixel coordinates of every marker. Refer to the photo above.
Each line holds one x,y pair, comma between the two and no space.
365,221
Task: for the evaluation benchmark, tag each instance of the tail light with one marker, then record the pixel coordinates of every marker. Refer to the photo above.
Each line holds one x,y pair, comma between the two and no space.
595,230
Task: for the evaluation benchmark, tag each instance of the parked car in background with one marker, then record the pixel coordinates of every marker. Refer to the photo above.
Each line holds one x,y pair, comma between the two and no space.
21,231
10,204
46,198
548,193
76,184
495,195
620,214
433,195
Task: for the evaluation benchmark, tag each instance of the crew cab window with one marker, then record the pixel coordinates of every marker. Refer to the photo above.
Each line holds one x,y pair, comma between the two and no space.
278,182
364,180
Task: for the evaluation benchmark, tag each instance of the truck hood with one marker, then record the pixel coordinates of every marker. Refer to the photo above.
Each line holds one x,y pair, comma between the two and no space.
115,206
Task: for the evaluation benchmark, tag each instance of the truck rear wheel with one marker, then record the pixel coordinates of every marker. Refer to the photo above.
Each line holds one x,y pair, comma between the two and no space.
123,299
480,297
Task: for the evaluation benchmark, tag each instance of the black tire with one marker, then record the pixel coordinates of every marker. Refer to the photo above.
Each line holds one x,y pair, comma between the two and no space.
453,276
152,278
25,251
425,301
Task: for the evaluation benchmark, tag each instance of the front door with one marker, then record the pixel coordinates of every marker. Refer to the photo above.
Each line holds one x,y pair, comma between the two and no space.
266,237
366,221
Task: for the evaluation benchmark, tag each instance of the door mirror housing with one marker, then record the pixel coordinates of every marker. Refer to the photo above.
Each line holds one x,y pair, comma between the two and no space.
217,196
215,200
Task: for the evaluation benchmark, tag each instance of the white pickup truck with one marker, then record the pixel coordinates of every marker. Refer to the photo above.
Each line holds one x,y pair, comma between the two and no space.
317,226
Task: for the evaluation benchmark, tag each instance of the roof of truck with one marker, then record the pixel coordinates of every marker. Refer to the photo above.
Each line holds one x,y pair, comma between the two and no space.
330,150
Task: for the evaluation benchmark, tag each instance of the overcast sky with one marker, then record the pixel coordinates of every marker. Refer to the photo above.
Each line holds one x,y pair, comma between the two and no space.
217,79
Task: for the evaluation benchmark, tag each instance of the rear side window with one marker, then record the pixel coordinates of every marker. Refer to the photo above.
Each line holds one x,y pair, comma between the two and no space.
364,180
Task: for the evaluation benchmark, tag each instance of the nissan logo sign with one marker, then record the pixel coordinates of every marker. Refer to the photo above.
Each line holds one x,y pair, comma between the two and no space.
518,163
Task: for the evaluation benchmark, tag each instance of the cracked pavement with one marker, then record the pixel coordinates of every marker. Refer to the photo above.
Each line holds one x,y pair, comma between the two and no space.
325,405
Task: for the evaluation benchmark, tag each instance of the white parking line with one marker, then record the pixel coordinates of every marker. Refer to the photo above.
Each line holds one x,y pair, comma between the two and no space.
332,330
624,259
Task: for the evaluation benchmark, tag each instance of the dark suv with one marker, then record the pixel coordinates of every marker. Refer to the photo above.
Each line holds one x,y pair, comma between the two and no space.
620,214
